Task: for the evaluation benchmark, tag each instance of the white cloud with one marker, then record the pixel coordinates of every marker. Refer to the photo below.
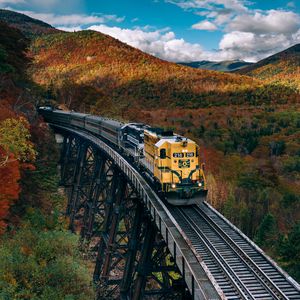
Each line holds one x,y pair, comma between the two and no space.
236,5
72,19
70,28
252,47
205,25
249,34
255,36
272,21
160,43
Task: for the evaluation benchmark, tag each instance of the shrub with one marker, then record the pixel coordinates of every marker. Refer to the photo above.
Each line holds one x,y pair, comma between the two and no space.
43,265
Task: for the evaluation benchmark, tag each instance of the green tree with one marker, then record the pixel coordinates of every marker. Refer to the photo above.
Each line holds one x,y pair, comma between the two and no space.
266,233
4,67
289,249
39,264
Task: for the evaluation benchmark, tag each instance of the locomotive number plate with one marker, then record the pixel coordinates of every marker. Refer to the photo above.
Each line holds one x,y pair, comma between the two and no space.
184,163
178,155
190,154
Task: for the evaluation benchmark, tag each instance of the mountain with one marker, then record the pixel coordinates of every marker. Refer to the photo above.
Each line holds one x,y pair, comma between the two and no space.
224,66
290,55
90,70
12,51
282,67
28,26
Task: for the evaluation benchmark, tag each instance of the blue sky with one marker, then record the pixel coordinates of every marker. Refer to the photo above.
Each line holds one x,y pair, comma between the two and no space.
179,30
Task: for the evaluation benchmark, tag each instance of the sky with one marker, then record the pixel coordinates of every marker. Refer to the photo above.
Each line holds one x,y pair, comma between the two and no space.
179,30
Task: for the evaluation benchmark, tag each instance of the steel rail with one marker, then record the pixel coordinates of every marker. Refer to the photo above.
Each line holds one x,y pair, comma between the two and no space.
250,264
228,272
287,285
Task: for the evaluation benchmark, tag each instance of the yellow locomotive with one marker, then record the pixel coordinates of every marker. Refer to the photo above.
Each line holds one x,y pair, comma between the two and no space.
174,162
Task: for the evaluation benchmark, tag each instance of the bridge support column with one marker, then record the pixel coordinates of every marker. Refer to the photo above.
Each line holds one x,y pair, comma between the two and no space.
68,160
157,276
143,267
77,187
117,190
133,246
134,262
96,186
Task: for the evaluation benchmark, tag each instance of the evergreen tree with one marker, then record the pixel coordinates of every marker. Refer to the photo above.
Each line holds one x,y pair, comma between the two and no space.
266,233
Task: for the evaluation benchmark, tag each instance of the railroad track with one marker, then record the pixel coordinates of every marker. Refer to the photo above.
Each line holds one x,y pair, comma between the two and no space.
240,269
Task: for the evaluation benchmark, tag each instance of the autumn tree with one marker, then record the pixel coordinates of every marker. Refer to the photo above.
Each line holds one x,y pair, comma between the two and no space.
15,141
15,148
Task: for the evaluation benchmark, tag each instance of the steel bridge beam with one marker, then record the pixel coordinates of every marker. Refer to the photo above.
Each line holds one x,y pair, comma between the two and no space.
97,182
132,252
107,240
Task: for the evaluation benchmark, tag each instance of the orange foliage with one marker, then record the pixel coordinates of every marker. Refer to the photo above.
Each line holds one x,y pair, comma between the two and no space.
5,110
9,188
92,72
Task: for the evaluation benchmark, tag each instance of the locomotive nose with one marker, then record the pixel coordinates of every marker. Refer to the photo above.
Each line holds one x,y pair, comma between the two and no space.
187,193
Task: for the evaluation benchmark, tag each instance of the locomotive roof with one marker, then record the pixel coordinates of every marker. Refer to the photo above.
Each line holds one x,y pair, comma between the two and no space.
136,126
173,141
160,131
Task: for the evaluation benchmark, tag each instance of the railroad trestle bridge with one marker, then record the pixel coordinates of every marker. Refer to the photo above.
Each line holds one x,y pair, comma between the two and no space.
143,249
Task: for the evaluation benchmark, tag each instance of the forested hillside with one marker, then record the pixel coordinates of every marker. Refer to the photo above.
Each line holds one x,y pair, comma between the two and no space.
28,26
38,255
223,66
283,67
90,71
248,127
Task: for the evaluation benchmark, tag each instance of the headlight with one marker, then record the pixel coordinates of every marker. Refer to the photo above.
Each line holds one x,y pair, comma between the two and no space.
173,185
199,184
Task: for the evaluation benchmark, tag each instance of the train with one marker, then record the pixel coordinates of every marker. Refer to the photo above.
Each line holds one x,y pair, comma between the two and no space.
168,161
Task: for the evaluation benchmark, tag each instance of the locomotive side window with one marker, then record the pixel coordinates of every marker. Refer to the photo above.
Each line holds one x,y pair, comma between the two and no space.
163,153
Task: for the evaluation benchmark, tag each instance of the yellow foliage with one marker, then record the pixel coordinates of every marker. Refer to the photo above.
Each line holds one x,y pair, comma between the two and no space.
15,140
9,278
